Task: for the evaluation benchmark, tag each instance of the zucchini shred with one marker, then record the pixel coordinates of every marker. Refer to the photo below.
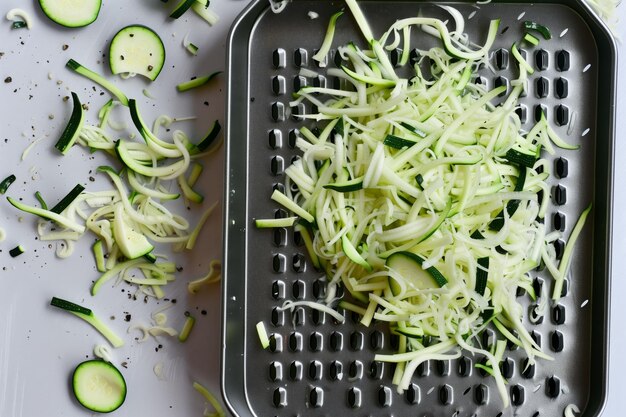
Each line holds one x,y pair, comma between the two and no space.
421,195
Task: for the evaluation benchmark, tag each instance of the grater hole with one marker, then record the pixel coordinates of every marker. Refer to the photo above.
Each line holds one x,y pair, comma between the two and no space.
481,394
480,80
517,395
280,398
488,338
299,82
524,91
507,367
556,341
464,366
354,397
320,81
541,59
279,187
414,55
395,57
278,85
355,370
528,369
542,87
336,371
558,314
355,317
315,370
297,238
319,289
278,111
532,312
301,57
277,165
297,316
501,82
377,340
295,371
561,167
423,369
562,60
536,336
561,87
356,340
299,289
276,343
446,394
293,137
559,195
279,58
280,236
558,221
540,110
316,342
561,115
520,292
275,139
384,396
522,113
278,317
276,371
337,59
377,369
413,394
316,397
484,362
537,285
295,342
501,59
443,367
336,341
559,248
318,317
278,290
394,341
280,214
278,265
298,111
565,288
298,263
553,386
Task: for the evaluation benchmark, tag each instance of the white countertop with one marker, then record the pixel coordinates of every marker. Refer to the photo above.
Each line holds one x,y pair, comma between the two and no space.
39,346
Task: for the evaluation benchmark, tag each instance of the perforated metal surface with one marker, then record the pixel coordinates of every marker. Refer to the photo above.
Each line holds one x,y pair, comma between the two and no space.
314,365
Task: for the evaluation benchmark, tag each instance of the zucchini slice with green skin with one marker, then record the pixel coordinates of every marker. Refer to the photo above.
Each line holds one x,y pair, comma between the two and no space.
88,315
131,243
196,82
99,386
409,266
137,49
73,128
6,183
68,199
97,78
181,8
71,13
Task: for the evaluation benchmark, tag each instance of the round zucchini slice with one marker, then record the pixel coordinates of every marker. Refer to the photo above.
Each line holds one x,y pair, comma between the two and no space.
99,386
71,13
137,49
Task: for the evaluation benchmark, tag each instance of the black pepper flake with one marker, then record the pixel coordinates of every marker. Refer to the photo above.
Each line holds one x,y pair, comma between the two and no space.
124,365
65,46
92,179
132,35
66,98
187,314
203,312
173,301
150,67
127,317
122,57
206,103
8,80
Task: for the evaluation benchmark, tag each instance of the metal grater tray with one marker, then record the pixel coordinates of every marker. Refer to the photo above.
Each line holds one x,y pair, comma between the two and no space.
315,367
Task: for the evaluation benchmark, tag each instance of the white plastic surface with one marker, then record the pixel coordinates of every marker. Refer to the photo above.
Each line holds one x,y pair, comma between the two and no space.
39,345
